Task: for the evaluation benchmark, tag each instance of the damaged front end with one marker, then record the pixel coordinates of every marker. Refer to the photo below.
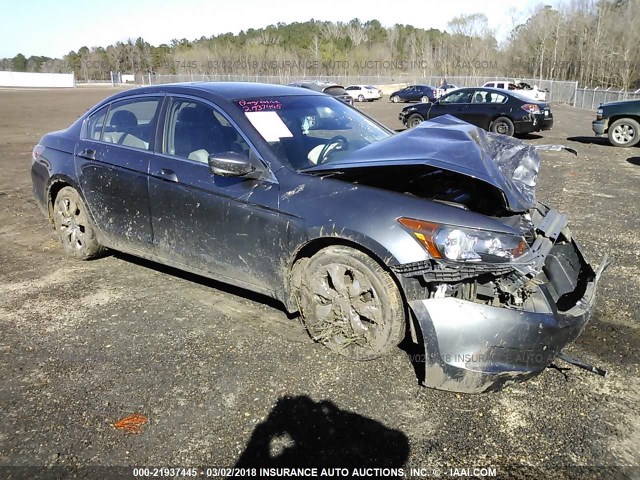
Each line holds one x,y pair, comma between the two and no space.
487,325
493,306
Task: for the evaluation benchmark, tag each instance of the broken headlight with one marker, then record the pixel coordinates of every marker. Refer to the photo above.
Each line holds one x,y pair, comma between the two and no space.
465,244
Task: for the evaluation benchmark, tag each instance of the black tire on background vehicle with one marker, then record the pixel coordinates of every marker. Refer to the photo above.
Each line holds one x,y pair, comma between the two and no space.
395,99
74,225
624,132
414,120
502,125
350,304
361,98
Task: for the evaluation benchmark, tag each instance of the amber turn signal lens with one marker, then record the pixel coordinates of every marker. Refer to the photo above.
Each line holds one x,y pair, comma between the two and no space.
425,232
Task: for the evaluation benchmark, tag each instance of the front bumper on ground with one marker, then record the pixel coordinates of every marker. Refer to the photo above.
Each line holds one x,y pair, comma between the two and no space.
600,126
474,347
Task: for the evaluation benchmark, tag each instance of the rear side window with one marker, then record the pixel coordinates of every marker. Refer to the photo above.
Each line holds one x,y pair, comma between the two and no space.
131,122
95,124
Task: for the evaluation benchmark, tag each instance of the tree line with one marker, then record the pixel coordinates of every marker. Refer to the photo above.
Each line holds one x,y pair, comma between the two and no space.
595,42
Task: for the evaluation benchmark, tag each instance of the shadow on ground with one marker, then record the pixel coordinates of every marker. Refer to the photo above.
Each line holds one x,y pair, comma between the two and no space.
207,282
590,140
528,136
634,160
300,432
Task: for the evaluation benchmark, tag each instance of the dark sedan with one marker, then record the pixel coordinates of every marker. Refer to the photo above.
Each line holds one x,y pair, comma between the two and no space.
414,93
434,233
494,110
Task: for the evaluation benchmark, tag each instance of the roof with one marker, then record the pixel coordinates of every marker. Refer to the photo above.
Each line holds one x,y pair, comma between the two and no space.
229,90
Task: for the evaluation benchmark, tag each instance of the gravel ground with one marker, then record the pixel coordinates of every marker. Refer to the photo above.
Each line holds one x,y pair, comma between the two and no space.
226,379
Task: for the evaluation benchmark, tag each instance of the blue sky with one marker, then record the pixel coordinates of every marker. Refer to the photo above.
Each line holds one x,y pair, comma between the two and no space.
53,28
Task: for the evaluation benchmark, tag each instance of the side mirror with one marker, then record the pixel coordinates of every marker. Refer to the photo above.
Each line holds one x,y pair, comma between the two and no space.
230,164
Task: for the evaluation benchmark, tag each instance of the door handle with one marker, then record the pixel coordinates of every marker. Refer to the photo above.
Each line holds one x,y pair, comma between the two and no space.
167,174
88,153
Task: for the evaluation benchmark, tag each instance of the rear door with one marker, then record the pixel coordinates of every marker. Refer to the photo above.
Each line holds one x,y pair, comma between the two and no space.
228,227
112,162
485,106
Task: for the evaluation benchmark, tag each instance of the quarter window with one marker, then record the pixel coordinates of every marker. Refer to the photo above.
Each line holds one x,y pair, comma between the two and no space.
194,131
95,124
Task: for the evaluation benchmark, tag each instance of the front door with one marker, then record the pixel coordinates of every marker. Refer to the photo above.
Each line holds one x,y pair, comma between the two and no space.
228,227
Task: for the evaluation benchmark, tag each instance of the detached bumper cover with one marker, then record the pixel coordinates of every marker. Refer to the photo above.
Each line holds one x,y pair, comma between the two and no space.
475,347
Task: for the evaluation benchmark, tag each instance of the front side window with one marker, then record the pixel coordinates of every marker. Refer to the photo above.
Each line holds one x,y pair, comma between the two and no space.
457,97
132,122
195,130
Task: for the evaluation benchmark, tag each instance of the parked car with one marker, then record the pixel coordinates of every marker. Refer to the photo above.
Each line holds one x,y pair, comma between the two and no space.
620,121
533,93
329,88
300,197
363,93
413,93
494,110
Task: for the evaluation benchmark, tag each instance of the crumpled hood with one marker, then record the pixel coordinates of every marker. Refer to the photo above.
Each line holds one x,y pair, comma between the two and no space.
452,144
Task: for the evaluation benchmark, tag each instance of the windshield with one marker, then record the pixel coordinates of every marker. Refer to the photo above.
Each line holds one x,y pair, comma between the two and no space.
305,131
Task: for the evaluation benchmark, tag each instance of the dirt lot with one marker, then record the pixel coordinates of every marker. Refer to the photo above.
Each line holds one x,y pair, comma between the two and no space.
225,378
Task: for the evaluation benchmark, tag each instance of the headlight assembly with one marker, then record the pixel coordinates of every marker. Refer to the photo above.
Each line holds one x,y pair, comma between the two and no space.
462,244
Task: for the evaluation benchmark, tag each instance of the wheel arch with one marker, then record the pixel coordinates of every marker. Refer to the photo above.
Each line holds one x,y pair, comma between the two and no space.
57,183
621,116
307,250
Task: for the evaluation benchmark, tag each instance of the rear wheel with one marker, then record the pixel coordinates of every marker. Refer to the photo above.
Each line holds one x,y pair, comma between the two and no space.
414,120
395,99
425,99
361,98
624,132
74,225
503,125
350,304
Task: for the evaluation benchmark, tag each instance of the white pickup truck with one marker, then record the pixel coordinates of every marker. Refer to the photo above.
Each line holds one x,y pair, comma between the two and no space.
531,92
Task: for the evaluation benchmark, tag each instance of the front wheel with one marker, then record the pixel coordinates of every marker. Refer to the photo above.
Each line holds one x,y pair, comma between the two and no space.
414,120
74,225
503,125
350,304
624,132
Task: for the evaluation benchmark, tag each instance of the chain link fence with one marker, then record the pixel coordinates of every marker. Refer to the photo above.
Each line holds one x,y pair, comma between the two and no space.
557,91
591,98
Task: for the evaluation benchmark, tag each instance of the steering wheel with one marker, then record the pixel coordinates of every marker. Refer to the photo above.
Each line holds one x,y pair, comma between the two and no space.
335,144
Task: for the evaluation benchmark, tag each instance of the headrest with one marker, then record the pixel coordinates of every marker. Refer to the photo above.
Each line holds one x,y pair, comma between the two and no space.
124,118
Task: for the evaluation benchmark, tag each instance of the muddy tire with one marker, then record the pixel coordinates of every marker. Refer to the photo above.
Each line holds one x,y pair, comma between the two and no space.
414,120
503,125
624,132
395,99
350,304
74,225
